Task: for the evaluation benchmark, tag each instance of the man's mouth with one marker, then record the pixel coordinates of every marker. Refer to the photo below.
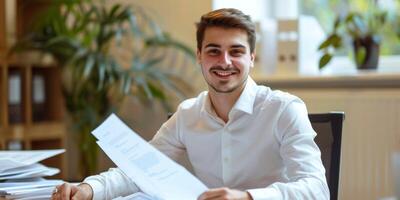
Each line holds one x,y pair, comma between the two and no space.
224,73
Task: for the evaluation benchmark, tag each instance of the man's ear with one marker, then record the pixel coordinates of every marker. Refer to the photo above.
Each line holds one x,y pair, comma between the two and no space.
198,56
253,58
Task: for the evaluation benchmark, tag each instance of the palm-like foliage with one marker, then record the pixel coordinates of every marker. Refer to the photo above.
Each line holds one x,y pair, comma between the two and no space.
88,40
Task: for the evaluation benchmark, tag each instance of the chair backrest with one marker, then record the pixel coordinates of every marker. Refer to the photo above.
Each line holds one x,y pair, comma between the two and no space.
329,138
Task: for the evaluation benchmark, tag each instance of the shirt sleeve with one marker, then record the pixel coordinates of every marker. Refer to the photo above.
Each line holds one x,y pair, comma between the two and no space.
111,184
301,157
168,140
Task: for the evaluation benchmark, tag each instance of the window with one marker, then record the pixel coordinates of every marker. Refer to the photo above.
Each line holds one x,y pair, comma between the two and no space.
326,11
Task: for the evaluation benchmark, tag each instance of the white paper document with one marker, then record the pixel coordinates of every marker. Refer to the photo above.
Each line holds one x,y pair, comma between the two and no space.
28,190
14,159
153,172
135,196
29,171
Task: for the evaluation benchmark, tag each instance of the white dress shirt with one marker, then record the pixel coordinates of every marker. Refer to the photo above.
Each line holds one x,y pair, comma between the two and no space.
267,147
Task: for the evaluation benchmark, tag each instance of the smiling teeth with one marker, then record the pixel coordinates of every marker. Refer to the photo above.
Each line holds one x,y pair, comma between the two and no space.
223,73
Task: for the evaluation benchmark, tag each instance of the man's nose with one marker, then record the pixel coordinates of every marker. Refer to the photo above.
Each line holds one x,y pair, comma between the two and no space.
225,59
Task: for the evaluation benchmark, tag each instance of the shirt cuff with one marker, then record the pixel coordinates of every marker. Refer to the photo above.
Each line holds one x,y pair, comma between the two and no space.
97,188
268,193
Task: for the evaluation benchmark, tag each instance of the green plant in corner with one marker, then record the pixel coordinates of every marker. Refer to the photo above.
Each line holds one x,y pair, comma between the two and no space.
361,32
89,41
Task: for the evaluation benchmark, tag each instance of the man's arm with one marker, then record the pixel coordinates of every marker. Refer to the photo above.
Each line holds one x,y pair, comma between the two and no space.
301,157
106,185
111,184
225,194
168,140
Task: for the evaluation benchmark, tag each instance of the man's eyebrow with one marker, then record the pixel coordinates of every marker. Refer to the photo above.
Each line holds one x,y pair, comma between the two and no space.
212,45
238,46
235,46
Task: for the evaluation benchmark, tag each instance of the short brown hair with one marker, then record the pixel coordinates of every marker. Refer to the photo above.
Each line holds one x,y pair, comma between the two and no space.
226,18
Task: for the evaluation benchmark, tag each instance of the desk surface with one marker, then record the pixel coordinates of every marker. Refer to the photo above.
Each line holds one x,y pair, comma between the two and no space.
362,80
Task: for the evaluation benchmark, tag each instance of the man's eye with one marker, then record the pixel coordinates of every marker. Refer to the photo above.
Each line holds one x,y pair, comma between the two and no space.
236,52
213,52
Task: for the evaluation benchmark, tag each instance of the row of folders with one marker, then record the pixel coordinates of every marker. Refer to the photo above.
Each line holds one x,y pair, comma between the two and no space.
37,90
15,97
30,102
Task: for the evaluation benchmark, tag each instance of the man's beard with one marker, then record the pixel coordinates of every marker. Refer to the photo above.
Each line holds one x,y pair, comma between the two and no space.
215,87
226,91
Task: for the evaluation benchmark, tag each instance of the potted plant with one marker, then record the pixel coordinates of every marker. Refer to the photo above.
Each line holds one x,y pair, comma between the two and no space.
362,32
89,41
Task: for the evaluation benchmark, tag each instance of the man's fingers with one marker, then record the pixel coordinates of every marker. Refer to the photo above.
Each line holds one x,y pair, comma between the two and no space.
69,191
213,193
74,190
77,193
81,192
65,191
54,195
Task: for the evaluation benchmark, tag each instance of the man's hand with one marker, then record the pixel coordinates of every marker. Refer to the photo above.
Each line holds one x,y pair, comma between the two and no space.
224,194
69,191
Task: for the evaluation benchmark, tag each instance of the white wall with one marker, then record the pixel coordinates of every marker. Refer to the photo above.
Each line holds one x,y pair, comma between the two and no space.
176,16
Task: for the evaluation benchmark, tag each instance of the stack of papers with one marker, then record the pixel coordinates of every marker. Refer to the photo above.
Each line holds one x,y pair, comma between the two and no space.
34,189
21,174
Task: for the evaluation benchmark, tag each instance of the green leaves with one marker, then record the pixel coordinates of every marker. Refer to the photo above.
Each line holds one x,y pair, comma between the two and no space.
328,47
361,54
324,60
83,36
352,27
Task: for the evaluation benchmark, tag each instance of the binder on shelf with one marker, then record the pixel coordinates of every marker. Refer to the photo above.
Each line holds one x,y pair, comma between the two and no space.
38,97
15,97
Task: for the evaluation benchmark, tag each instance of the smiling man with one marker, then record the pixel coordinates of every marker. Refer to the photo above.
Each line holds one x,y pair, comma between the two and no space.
243,140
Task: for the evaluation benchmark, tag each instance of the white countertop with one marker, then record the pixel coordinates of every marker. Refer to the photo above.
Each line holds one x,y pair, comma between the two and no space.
359,80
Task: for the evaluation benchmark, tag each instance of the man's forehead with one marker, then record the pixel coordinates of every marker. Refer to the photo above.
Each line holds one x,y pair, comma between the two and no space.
218,37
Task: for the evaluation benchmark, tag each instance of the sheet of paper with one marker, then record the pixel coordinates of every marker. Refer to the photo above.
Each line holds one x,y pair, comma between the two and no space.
30,193
27,185
29,190
14,159
29,171
22,169
135,196
153,172
37,197
46,171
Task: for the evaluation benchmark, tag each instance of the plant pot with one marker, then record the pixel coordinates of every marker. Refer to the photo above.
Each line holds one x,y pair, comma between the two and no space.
366,53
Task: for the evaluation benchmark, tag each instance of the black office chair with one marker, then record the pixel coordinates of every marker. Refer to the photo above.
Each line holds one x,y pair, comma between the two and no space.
329,138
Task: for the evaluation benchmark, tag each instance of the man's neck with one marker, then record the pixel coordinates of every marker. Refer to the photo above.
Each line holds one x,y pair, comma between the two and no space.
223,102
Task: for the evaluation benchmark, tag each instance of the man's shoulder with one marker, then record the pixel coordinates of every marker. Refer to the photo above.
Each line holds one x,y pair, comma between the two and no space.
194,103
267,95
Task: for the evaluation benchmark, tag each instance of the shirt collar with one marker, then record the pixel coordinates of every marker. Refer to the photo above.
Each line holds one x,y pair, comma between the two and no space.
244,103
246,100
